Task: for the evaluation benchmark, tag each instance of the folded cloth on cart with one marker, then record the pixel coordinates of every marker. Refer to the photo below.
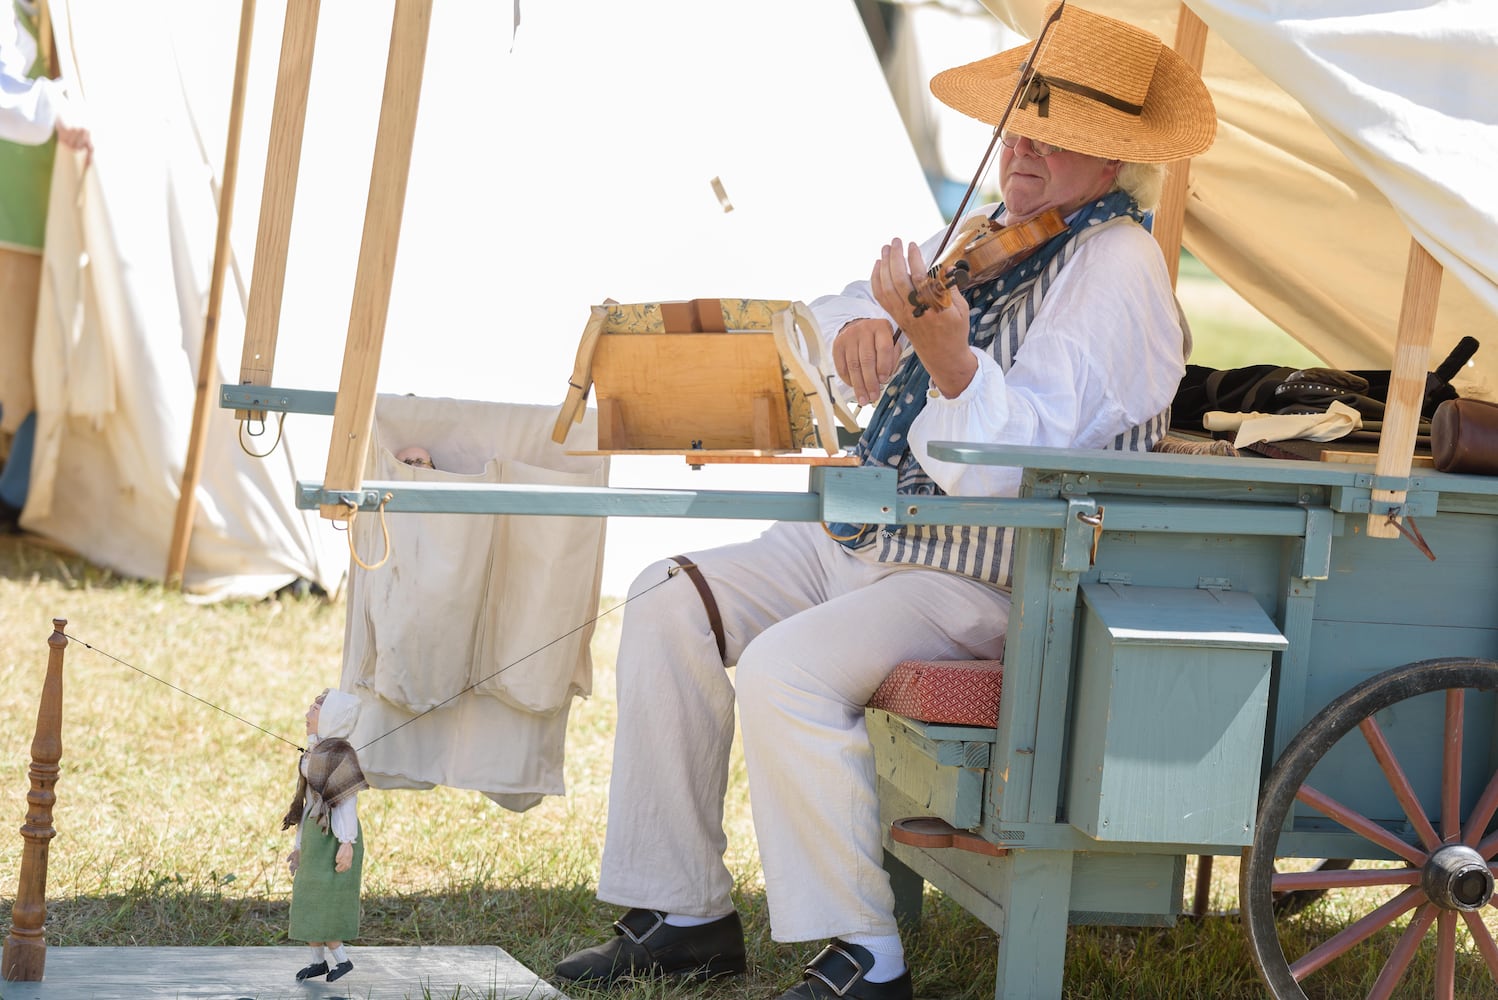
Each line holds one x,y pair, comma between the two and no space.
1337,421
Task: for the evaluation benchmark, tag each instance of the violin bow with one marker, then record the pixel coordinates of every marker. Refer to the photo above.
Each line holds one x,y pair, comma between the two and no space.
1026,74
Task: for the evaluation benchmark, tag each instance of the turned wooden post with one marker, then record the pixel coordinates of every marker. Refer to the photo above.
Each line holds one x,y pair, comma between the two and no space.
25,952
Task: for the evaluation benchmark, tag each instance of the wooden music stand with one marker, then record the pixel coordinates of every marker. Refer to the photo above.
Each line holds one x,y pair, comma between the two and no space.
706,378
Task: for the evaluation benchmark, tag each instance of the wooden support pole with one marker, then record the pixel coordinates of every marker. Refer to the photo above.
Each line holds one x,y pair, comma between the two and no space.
25,953
1170,222
1170,216
353,412
283,156
44,41
192,469
1417,327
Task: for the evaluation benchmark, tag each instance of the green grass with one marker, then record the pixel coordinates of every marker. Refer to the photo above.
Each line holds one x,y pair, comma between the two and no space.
167,811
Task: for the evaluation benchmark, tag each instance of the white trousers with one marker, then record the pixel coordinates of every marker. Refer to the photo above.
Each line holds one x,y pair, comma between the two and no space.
812,628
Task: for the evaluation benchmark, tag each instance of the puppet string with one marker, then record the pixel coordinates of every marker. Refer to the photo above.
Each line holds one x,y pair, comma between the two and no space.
671,572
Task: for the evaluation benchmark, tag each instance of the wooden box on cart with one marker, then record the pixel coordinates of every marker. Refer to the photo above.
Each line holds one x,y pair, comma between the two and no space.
1168,731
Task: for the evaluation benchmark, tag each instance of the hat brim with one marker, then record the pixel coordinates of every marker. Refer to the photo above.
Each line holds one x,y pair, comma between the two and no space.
1178,118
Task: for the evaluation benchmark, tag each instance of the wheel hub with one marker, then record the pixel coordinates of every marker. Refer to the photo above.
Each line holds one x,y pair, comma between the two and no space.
1457,878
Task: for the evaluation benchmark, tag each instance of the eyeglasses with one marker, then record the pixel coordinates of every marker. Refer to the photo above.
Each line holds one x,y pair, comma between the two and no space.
420,463
1042,149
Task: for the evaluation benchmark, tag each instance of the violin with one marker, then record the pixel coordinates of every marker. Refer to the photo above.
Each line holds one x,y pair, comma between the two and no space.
984,249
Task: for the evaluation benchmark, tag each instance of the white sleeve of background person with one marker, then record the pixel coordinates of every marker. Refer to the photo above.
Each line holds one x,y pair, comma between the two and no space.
1103,354
28,108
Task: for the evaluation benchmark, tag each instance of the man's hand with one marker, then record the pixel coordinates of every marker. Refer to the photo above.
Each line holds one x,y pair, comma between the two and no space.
345,858
293,860
865,357
939,336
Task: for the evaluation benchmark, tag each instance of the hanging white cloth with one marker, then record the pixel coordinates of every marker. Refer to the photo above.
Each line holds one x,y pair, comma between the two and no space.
480,621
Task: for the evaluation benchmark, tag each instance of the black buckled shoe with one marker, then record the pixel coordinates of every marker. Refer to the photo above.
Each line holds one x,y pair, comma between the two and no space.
645,945
837,974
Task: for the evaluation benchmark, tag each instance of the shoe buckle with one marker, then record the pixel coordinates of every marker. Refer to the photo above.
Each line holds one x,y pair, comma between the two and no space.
641,936
830,952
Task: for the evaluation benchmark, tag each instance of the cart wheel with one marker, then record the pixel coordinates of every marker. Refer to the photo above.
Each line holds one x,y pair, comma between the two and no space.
1449,875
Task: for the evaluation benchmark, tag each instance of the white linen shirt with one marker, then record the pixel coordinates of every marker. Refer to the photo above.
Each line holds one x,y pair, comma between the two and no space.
1104,353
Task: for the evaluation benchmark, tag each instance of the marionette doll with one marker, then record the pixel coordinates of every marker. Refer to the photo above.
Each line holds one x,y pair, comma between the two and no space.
328,855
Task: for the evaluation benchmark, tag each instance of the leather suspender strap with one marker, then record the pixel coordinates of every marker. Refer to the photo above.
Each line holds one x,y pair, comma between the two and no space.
714,619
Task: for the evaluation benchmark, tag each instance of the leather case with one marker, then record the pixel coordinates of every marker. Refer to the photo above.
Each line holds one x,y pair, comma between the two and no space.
1464,437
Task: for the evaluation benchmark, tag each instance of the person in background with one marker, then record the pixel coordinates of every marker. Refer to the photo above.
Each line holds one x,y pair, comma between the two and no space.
1079,344
33,109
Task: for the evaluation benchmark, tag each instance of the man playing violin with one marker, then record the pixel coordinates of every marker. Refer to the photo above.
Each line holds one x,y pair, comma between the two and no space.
1075,343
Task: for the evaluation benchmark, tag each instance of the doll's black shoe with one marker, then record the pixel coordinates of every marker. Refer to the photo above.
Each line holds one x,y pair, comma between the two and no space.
315,969
645,945
341,970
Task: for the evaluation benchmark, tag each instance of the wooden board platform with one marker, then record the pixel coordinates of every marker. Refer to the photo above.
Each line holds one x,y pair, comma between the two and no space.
266,973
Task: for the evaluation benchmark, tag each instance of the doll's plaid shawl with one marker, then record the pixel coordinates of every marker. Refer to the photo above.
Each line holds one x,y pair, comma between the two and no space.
333,774
1000,313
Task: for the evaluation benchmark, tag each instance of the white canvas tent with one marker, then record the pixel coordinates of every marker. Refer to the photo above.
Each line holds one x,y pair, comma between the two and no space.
553,168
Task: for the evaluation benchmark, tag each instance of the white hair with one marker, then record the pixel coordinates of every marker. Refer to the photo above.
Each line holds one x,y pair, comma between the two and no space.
1145,182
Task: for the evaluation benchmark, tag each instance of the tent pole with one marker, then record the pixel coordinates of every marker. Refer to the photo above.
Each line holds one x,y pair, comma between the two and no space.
353,411
187,500
1170,217
283,154
1170,221
44,38
1417,325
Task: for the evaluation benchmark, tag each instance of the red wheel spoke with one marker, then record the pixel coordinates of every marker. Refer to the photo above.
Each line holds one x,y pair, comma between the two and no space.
1359,823
1451,767
1446,956
1399,959
1355,932
1403,790
1482,812
1483,938
1488,847
1354,879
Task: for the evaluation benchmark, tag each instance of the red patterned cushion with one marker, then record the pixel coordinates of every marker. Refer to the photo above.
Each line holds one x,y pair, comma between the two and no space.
957,692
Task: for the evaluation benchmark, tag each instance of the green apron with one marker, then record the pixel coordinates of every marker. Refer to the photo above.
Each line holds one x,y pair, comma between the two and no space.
25,176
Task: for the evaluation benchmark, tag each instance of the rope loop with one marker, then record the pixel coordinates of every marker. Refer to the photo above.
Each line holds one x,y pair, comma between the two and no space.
384,530
280,426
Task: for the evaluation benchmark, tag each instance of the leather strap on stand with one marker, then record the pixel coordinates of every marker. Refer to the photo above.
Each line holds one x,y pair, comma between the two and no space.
714,619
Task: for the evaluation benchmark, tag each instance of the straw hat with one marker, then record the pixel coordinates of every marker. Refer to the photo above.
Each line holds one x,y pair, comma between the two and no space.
1101,87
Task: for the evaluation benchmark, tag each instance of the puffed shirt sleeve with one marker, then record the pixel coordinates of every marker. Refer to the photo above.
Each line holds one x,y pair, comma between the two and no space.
344,819
1104,353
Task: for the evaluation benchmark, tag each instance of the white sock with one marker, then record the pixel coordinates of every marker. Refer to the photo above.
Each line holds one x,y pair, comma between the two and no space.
889,956
682,920
316,953
339,956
